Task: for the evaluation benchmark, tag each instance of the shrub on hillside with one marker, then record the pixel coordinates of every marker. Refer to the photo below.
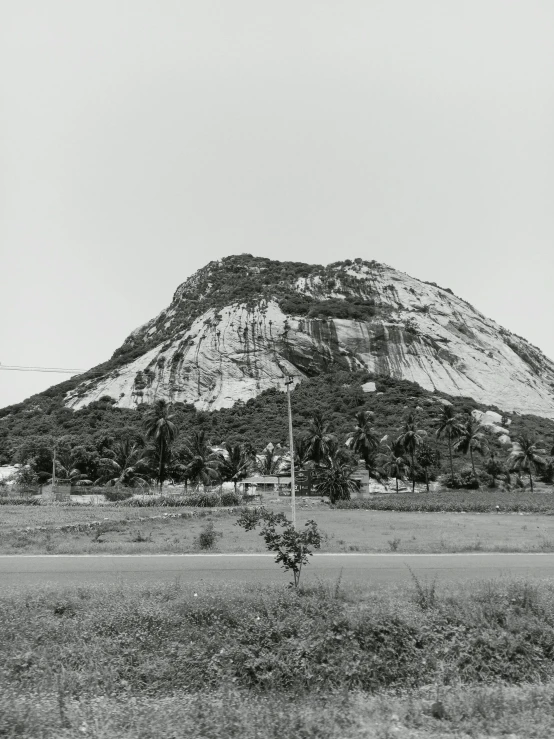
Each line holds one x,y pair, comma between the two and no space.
547,471
452,482
468,480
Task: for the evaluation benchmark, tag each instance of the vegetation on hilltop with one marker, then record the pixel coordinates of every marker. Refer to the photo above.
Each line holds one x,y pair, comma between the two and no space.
311,291
239,279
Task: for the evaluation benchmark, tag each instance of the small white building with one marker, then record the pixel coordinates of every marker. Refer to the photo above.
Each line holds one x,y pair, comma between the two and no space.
257,484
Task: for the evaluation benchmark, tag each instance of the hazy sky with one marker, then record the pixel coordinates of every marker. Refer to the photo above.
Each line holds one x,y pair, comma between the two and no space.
141,139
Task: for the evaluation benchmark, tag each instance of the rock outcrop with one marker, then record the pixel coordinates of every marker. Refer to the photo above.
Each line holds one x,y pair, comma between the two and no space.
237,326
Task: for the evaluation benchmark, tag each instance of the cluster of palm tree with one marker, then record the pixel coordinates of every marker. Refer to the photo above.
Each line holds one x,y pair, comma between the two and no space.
132,462
384,459
468,436
332,464
527,456
410,453
163,454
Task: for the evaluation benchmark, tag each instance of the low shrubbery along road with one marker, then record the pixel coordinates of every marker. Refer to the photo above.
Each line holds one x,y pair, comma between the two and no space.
31,570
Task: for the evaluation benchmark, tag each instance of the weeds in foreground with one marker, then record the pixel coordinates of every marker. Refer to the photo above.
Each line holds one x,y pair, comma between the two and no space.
425,593
158,640
326,660
488,711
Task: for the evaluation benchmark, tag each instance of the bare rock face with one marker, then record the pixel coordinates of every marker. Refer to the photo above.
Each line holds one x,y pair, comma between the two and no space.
492,421
237,326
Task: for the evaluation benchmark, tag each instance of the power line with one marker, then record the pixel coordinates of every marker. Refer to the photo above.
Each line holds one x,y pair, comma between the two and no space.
20,368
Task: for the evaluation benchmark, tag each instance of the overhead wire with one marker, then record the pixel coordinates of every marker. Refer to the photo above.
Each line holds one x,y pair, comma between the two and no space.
21,368
59,370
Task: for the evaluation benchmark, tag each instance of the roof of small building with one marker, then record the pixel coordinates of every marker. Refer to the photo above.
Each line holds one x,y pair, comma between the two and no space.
266,480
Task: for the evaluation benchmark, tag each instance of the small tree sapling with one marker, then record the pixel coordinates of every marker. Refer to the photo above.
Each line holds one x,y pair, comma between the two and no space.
280,536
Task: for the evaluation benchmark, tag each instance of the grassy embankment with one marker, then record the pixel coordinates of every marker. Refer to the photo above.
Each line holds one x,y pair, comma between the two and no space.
239,661
392,523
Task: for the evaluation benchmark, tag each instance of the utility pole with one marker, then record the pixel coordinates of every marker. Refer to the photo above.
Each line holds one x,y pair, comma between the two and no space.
288,383
54,468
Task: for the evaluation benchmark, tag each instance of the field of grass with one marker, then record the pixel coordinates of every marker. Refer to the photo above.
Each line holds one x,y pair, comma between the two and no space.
484,500
119,530
237,661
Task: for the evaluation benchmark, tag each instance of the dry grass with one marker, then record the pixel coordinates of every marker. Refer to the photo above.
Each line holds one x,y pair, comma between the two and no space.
161,530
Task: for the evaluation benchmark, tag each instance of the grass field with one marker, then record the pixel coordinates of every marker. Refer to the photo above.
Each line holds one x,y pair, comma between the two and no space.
75,530
237,661
484,500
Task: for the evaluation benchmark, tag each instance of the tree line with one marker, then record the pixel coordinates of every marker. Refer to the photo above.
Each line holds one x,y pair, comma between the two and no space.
160,452
412,454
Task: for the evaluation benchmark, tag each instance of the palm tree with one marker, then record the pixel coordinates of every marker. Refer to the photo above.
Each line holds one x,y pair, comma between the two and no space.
302,456
127,466
363,440
495,468
319,438
471,439
394,462
201,463
301,452
410,439
268,463
236,465
448,425
334,476
526,456
67,468
427,457
162,431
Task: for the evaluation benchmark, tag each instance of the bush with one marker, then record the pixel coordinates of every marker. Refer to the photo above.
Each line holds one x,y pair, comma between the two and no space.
230,498
19,501
204,500
114,496
192,500
451,482
463,480
26,476
547,472
468,480
207,538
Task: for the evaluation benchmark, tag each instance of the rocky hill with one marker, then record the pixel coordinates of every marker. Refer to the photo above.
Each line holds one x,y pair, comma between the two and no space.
236,326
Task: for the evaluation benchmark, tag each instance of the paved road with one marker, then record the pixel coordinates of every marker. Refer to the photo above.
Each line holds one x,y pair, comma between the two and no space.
20,572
